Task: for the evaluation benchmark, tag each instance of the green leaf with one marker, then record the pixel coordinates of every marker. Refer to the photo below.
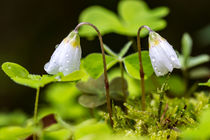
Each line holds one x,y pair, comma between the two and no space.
132,65
92,86
35,81
14,133
94,91
116,88
125,49
74,76
91,129
59,134
21,76
93,64
200,72
137,13
105,20
109,51
14,70
202,131
13,118
92,101
132,15
205,84
197,60
180,87
62,98
186,47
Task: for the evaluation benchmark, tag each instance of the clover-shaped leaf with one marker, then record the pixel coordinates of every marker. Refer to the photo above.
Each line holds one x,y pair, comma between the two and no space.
125,49
197,60
92,101
132,14
132,65
93,64
13,70
186,48
94,91
92,86
91,130
116,88
74,76
21,76
205,84
14,132
122,52
188,61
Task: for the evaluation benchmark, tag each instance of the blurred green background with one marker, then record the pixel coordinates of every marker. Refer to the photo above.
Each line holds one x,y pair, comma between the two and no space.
31,29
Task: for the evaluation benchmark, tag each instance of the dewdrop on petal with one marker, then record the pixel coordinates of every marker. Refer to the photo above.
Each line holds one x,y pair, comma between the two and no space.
66,57
162,55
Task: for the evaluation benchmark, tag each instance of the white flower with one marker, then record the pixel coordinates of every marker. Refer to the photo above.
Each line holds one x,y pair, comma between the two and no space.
66,57
162,55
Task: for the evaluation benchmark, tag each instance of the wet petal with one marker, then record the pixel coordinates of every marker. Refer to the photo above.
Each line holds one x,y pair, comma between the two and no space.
66,57
162,55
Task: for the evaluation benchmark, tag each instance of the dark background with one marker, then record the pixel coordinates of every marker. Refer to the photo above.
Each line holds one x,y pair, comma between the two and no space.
29,31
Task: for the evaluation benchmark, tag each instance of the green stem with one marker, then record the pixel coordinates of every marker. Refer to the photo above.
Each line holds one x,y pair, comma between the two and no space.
123,81
92,112
160,105
36,106
36,109
186,76
162,93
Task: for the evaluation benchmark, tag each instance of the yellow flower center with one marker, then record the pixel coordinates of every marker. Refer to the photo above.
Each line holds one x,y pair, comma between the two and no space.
75,43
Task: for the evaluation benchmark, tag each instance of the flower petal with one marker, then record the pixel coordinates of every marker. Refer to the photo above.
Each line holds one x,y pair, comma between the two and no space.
162,55
158,61
66,57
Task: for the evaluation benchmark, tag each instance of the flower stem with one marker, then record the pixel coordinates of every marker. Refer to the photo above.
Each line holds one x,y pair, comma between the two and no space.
123,81
106,82
160,105
36,109
163,115
162,93
141,71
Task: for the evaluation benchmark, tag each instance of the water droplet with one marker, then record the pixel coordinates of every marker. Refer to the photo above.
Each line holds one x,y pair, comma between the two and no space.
155,68
56,46
153,59
173,58
9,67
58,78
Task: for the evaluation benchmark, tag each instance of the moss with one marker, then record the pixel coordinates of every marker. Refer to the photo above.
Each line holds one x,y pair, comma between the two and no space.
180,113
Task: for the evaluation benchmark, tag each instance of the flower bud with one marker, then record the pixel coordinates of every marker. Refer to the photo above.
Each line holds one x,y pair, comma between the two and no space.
162,55
66,57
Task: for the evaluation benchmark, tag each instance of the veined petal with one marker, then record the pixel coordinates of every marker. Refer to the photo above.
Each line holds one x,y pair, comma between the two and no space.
171,55
52,67
162,55
71,60
159,61
66,57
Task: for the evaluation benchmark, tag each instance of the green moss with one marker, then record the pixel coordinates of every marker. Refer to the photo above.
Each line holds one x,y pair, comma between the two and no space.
181,113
